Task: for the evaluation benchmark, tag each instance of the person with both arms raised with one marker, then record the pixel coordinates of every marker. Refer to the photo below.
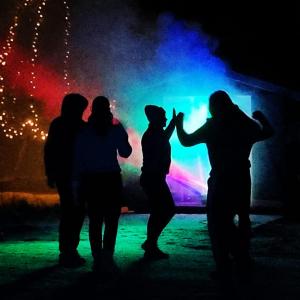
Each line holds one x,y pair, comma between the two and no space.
229,136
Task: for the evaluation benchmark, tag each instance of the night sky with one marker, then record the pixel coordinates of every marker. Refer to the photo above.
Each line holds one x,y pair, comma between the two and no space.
168,53
256,39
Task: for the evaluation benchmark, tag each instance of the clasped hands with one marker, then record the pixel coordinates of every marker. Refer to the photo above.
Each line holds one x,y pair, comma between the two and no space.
177,118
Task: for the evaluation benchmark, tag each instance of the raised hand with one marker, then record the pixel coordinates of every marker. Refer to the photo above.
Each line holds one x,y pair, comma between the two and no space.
180,116
174,114
267,129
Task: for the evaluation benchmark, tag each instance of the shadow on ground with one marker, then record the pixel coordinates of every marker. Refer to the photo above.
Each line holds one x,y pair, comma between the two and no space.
29,270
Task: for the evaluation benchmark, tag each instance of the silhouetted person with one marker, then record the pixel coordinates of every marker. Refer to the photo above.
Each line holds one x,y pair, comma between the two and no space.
97,174
156,163
229,136
58,156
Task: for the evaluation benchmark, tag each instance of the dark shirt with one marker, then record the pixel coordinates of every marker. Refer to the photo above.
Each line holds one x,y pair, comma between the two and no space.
59,147
95,153
229,141
156,151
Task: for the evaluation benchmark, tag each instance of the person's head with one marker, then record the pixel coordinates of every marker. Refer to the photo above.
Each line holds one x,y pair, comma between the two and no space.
101,116
101,106
220,104
156,115
73,106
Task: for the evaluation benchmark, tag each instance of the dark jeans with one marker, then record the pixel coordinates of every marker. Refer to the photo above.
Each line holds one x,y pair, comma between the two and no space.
162,207
229,196
102,192
71,218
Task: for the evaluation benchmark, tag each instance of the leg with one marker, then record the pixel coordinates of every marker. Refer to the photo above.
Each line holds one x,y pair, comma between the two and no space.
162,209
112,210
71,221
157,222
95,233
66,216
89,191
220,233
244,224
110,233
96,219
220,225
78,222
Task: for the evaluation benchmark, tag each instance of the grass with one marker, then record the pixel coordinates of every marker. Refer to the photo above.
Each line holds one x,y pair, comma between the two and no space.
12,198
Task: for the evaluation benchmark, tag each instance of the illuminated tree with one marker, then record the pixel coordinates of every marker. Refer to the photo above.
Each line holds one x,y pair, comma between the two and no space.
22,119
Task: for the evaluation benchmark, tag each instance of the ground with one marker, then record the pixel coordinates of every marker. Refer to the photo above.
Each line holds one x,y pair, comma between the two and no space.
29,270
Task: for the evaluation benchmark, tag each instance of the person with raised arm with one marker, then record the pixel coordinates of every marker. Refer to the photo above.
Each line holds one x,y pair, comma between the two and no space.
229,136
156,163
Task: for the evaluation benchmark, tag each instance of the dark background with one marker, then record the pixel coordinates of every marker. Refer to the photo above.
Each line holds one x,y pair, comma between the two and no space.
259,39
254,39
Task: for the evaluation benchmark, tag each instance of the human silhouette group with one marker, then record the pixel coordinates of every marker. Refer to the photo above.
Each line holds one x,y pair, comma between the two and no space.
81,162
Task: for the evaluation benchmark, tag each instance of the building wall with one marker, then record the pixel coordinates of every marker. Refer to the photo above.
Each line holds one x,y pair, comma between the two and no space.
268,157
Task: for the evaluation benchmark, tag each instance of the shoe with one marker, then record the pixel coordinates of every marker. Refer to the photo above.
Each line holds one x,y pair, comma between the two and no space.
155,255
244,269
221,275
145,246
71,260
97,265
153,252
105,268
223,271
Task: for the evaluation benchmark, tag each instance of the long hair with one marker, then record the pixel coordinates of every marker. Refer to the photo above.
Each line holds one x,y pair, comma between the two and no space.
220,104
101,117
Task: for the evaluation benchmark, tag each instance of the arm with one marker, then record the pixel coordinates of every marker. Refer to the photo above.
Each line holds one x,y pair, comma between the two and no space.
124,148
170,128
192,139
266,128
